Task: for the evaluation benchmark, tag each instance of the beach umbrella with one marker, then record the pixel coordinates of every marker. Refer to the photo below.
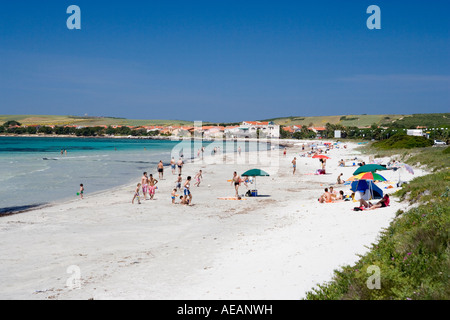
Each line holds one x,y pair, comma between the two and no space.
320,156
408,168
363,185
255,173
368,176
369,168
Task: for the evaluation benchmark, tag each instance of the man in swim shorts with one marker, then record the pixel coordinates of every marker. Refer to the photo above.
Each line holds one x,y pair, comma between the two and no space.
144,184
237,182
152,186
161,169
294,165
187,191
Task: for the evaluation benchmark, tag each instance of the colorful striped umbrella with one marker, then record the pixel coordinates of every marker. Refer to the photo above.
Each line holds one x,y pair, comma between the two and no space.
368,176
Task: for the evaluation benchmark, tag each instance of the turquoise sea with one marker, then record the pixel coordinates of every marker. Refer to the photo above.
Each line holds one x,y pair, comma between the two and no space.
34,172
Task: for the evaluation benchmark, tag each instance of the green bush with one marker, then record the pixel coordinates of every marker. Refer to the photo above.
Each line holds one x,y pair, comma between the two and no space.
413,257
401,141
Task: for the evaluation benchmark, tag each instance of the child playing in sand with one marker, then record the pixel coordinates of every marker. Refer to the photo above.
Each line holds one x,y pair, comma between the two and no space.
81,191
136,194
174,191
184,200
199,178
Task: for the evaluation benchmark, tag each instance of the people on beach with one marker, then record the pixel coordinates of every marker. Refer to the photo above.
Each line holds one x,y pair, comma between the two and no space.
294,165
144,184
284,152
81,191
237,182
180,164
184,200
136,194
198,178
239,150
341,163
363,197
173,165
383,203
152,186
187,190
326,197
339,179
333,193
174,191
178,182
161,170
340,196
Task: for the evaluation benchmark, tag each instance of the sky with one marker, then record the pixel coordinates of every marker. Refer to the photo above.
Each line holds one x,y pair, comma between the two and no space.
224,61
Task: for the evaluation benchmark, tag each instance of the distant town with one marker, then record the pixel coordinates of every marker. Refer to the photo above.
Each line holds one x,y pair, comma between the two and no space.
430,126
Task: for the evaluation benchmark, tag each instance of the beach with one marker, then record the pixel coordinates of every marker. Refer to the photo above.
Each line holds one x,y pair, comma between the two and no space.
276,246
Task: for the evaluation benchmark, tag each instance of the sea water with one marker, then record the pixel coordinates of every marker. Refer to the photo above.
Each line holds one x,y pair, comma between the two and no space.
33,171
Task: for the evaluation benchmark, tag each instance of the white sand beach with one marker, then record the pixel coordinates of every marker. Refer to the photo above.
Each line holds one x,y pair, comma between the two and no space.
277,246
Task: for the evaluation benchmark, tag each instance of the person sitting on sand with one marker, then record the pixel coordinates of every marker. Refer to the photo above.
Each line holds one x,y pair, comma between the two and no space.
326,197
184,200
342,163
340,195
339,180
383,203
362,197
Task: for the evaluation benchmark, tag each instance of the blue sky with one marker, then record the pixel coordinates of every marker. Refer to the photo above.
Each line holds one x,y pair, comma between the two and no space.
224,61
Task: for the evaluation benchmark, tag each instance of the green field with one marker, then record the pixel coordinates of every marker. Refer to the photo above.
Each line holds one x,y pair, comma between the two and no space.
407,121
410,121
87,121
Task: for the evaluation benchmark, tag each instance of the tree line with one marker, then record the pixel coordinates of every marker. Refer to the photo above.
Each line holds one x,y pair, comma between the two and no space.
14,127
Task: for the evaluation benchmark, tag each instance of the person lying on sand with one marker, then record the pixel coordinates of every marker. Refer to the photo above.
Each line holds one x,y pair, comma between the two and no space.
383,203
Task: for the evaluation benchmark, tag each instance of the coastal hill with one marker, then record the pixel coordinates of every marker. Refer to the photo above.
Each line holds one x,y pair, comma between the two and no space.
431,120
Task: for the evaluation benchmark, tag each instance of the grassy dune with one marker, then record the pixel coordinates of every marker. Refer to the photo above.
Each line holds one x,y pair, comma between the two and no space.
86,121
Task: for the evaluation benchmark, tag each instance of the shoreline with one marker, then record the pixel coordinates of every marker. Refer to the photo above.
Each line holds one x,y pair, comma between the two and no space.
274,247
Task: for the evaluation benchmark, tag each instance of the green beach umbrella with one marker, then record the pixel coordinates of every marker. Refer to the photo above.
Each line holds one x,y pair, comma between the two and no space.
369,168
255,173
